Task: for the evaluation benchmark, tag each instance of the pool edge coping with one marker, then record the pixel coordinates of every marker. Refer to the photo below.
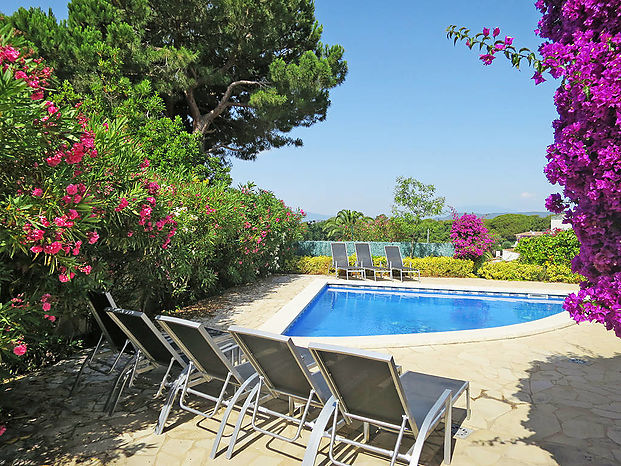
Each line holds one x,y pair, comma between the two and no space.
279,322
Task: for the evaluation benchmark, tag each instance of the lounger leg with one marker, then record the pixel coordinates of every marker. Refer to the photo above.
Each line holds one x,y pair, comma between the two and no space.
163,382
123,377
468,401
240,420
118,358
117,381
133,374
88,360
165,411
366,432
229,409
448,424
317,433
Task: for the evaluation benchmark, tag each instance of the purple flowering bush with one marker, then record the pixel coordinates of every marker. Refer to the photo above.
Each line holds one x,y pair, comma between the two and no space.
583,50
470,237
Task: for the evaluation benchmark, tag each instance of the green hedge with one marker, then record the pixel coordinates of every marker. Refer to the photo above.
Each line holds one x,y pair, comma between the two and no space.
428,266
528,272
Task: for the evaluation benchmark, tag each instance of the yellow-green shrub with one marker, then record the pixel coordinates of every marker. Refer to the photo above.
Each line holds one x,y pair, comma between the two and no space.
520,271
428,266
512,271
562,273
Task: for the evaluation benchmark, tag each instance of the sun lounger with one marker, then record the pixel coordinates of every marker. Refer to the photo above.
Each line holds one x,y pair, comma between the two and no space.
283,370
393,256
209,360
364,260
367,387
340,261
153,350
111,336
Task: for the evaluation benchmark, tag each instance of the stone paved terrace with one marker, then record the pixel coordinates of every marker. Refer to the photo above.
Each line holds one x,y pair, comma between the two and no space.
545,399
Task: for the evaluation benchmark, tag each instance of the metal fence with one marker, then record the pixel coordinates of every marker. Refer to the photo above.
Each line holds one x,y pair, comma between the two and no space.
322,248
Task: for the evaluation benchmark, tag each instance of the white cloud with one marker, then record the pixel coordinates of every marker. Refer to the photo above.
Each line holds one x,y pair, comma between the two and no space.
527,195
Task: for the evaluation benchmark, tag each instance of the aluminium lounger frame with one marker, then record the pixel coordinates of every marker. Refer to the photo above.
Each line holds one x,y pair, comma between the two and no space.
107,337
398,263
142,354
196,373
365,260
441,410
317,395
340,260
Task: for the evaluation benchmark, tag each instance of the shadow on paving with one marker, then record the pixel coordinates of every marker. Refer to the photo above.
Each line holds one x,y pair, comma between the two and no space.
575,409
45,426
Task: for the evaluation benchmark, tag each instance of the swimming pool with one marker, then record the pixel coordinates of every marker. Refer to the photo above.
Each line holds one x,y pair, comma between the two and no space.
341,311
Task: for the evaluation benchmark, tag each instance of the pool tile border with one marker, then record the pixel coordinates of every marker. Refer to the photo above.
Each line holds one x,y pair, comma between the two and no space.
283,318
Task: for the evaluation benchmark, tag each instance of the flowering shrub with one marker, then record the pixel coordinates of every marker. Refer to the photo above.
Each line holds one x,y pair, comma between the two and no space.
584,50
555,247
69,190
470,237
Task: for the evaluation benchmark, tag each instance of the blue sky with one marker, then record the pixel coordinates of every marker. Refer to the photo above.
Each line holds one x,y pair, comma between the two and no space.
414,105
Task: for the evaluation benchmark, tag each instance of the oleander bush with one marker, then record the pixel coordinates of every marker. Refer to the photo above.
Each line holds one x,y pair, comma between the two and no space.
83,207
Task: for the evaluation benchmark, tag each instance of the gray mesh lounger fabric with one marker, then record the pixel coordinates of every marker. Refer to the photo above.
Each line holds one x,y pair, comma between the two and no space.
393,256
340,260
367,387
209,361
151,347
365,260
283,370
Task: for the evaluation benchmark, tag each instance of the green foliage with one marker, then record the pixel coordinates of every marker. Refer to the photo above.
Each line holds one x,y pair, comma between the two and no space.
242,73
505,227
344,225
528,272
314,231
557,248
415,200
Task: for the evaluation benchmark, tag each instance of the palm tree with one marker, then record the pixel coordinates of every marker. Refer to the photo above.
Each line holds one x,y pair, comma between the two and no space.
345,221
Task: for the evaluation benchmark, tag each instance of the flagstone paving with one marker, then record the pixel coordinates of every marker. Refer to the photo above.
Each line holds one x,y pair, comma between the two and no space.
544,399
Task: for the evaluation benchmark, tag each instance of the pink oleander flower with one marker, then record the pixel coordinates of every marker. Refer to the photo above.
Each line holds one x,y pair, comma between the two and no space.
145,164
122,204
37,192
53,248
92,237
37,249
2,430
72,214
72,189
496,32
46,306
20,350
508,40
486,31
50,318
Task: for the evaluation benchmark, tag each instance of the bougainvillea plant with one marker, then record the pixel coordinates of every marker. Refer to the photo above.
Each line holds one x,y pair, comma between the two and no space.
469,237
583,50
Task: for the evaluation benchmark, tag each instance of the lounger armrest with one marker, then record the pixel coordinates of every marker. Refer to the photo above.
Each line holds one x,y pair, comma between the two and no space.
429,423
435,410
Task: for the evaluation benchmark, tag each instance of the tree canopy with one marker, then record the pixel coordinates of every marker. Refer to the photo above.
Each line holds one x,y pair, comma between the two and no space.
241,73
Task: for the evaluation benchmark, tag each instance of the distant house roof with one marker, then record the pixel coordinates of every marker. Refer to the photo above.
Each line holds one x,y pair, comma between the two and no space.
529,234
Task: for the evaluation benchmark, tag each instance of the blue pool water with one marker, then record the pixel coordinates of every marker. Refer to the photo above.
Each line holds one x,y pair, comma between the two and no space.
339,311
